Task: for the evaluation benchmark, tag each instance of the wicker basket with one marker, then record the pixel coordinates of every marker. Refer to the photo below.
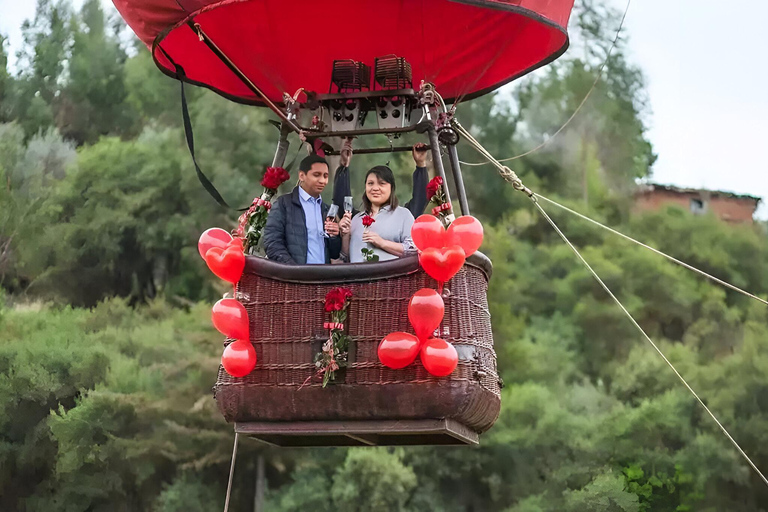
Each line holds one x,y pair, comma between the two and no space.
285,308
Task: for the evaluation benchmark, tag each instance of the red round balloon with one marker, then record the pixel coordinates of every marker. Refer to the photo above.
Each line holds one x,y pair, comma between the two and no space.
442,264
467,232
214,237
239,358
230,319
439,357
228,264
425,311
427,231
398,350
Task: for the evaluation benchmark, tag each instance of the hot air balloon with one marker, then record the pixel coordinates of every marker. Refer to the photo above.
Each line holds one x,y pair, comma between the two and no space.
349,68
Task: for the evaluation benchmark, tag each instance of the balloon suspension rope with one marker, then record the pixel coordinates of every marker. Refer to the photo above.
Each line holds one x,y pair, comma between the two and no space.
517,183
231,473
583,101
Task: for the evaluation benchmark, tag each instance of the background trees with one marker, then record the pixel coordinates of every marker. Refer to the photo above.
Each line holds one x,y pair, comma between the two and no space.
107,357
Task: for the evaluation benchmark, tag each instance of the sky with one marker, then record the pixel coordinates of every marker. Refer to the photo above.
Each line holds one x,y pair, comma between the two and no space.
707,78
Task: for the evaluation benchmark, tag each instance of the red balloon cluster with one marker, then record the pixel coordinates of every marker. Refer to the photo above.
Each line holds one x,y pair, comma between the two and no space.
224,256
442,252
399,349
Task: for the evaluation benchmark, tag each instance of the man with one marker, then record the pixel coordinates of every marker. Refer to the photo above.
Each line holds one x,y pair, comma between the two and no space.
419,199
294,231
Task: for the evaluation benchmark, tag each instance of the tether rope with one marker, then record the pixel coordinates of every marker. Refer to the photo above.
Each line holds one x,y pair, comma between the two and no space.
641,244
583,101
511,177
231,473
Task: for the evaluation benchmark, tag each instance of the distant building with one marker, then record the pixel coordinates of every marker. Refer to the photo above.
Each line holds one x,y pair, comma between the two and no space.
730,207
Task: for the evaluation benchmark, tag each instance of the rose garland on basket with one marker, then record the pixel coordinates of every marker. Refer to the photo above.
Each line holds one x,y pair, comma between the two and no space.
336,349
368,254
436,195
252,222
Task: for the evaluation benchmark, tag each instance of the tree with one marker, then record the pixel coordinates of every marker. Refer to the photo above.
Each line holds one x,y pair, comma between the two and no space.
46,45
93,102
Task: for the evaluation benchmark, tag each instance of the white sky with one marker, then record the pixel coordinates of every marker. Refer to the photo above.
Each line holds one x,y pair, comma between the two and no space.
707,81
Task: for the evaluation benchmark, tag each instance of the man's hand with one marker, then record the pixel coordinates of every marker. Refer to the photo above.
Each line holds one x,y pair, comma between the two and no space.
372,238
419,153
331,227
346,152
345,224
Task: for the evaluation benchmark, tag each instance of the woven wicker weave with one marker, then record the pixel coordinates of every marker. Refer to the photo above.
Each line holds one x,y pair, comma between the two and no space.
286,319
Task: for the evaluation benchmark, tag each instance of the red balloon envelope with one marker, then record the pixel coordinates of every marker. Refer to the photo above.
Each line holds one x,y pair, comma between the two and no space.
230,319
467,232
214,237
425,311
398,350
442,264
439,357
228,264
427,231
466,48
239,358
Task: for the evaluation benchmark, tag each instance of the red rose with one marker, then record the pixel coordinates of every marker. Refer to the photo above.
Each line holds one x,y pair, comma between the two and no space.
432,187
274,177
368,220
336,299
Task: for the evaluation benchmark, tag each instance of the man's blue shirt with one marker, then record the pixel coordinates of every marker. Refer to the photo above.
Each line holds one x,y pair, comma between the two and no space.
314,214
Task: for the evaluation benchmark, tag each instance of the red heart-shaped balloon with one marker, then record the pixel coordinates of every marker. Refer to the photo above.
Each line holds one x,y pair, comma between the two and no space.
230,319
227,264
427,231
467,232
398,350
439,357
426,311
236,242
239,358
214,237
443,263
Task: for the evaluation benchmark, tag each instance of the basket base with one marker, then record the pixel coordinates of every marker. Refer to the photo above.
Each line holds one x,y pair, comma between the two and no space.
433,432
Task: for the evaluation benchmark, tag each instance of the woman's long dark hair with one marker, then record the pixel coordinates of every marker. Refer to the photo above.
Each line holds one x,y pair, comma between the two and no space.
384,173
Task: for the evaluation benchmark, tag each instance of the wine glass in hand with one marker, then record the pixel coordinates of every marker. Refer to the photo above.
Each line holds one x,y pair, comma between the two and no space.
330,217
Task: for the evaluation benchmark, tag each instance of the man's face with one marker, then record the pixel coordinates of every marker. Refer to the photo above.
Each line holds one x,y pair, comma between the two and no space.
315,179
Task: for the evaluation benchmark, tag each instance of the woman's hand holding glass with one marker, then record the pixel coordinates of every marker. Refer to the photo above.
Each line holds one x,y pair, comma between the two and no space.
345,224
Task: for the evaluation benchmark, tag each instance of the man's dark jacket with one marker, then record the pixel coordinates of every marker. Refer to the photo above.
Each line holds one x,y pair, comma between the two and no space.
285,235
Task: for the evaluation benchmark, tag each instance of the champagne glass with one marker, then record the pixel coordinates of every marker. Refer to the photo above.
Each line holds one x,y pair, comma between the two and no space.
333,210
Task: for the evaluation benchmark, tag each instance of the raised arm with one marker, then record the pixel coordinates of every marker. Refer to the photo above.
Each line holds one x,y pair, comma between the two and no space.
419,197
341,180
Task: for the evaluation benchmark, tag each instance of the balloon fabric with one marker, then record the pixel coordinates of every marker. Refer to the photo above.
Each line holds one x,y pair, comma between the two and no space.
466,48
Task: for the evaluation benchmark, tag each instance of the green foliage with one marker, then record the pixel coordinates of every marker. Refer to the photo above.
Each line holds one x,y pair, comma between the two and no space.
101,407
109,408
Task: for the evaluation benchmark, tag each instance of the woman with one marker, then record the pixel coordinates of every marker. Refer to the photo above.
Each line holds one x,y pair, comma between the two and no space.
388,235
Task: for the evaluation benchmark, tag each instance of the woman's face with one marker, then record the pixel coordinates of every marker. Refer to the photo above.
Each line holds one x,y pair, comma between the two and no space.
377,190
